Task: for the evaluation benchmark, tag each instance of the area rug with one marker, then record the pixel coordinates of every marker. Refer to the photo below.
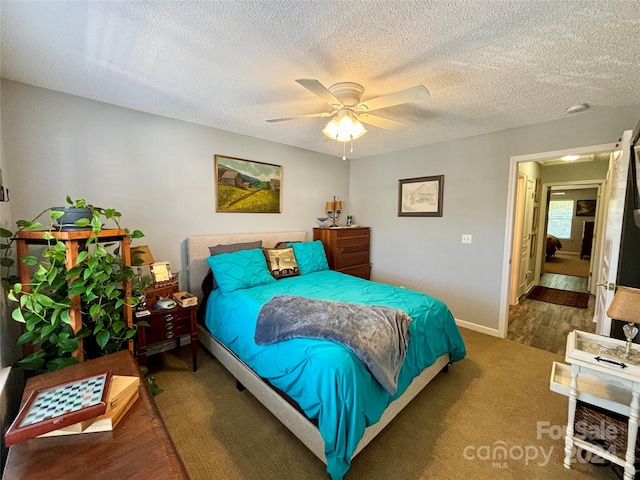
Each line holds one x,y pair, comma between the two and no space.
559,297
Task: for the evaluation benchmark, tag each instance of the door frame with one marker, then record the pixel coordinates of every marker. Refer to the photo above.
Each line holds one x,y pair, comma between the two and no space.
503,317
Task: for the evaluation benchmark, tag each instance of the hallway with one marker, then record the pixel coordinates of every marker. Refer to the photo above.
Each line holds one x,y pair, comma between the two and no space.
545,325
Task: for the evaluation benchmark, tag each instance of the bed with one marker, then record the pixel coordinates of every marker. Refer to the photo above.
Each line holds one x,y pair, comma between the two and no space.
335,422
553,244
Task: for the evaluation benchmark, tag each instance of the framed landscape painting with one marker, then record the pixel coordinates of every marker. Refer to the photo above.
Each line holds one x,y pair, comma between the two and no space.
247,186
421,196
585,208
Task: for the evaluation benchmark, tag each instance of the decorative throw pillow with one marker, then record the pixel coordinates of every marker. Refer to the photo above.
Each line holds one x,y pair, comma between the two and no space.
281,262
229,248
310,256
242,269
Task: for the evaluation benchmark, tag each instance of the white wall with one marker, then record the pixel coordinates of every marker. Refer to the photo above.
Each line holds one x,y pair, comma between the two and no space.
425,253
157,171
11,385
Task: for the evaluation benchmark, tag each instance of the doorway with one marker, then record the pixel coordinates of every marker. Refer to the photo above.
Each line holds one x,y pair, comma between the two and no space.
569,230
533,322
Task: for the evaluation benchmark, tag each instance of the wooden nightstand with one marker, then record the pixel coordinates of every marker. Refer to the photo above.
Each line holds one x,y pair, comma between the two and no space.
168,324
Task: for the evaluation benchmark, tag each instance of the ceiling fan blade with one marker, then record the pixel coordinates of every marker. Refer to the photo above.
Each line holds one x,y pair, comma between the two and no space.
383,123
413,94
298,117
315,87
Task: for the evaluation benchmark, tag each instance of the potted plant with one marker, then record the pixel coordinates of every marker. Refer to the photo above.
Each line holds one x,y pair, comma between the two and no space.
97,278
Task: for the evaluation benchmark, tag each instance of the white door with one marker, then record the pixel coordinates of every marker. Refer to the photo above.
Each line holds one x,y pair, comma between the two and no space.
525,274
517,239
614,197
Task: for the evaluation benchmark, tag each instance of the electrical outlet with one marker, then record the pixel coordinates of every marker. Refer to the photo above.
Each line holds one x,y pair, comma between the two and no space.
466,238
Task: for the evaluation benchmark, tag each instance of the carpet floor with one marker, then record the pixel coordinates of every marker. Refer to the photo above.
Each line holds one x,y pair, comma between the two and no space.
498,396
559,297
564,264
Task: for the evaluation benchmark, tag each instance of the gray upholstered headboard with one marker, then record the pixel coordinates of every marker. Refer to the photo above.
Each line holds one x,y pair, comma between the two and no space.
198,251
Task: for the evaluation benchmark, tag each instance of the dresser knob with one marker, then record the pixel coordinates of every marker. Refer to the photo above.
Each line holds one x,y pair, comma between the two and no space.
168,317
169,334
169,326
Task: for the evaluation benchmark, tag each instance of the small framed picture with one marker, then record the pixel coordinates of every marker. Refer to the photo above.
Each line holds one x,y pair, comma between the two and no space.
585,208
421,196
161,272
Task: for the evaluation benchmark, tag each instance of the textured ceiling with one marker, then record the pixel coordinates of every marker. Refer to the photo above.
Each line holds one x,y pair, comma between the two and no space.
489,65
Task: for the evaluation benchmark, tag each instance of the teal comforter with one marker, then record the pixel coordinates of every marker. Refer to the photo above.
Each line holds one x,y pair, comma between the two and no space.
326,379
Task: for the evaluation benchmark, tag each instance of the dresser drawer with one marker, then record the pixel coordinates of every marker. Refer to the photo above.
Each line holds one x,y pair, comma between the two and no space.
362,271
344,260
343,233
352,244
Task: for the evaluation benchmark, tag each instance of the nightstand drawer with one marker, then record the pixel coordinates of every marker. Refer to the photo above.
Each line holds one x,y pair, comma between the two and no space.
160,317
167,331
165,324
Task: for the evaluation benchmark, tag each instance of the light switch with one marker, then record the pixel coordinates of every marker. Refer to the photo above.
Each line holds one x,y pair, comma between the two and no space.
466,238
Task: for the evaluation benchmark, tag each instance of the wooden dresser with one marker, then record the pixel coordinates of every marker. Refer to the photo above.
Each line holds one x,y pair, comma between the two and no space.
139,448
347,249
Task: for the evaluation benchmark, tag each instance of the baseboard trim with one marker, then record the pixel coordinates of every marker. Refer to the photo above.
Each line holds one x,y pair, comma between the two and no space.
478,328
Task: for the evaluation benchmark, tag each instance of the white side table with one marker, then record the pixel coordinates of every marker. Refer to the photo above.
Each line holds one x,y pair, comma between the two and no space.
600,374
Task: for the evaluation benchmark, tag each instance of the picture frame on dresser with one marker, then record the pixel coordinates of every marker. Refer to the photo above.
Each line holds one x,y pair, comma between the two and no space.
421,196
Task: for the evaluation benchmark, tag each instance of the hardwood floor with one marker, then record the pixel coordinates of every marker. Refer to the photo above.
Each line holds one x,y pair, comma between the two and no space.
545,325
565,282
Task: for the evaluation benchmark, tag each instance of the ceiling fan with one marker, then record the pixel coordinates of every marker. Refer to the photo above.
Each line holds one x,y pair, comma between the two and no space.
345,97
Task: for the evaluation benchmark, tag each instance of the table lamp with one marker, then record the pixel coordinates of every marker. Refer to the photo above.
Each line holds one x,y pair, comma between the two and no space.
626,307
141,256
334,209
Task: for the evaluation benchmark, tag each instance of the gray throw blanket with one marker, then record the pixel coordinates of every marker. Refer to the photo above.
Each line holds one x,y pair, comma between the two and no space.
377,335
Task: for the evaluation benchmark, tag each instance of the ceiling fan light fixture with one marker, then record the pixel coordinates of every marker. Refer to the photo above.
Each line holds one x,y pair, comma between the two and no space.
344,129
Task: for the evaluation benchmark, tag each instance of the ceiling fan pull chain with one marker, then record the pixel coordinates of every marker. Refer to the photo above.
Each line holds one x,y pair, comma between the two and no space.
351,143
344,150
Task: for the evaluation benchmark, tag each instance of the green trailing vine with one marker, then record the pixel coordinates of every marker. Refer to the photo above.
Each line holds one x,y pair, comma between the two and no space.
44,307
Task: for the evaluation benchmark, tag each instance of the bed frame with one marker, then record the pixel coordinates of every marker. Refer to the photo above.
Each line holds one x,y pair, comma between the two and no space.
294,420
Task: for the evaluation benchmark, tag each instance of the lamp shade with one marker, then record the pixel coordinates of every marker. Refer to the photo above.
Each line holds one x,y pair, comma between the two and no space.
339,205
329,206
141,256
344,129
625,305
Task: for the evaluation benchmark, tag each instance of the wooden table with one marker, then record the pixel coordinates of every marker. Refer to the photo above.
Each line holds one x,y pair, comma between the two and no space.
138,448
